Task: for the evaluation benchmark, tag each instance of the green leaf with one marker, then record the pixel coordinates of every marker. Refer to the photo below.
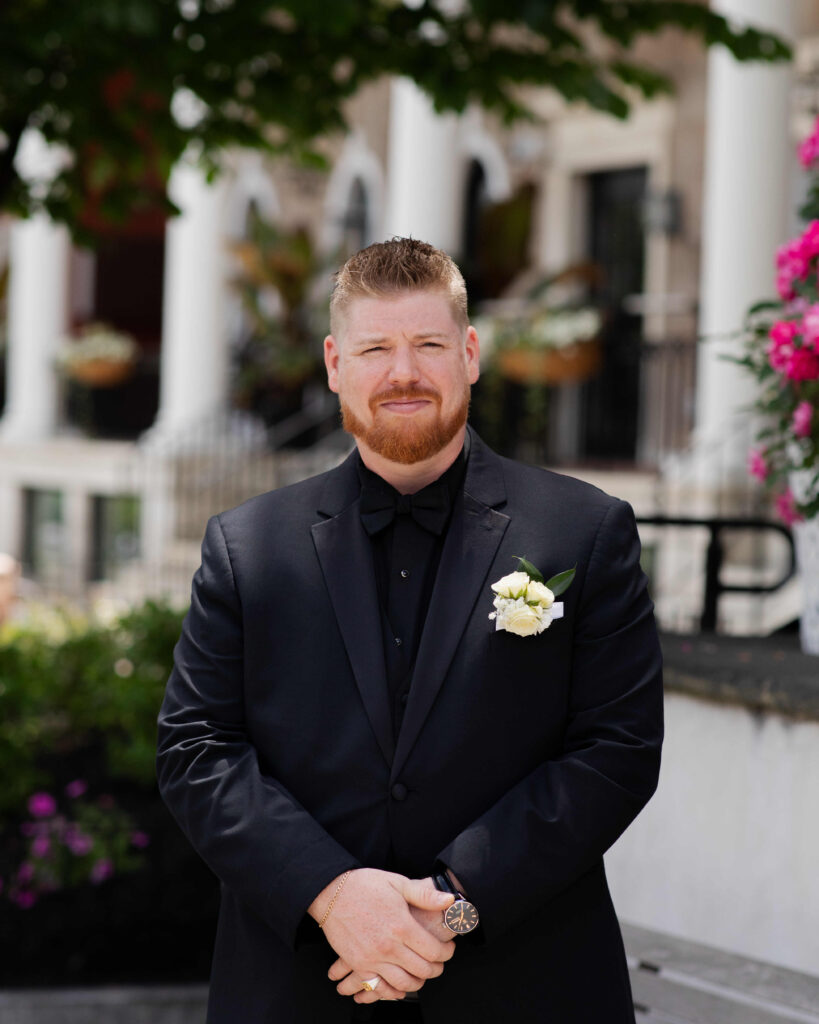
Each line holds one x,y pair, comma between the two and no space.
563,580
529,569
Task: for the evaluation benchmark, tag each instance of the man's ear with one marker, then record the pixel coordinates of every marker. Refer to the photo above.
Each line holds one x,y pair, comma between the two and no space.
473,355
331,357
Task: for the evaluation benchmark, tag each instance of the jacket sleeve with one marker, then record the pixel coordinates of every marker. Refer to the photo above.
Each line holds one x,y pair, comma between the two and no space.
557,822
247,827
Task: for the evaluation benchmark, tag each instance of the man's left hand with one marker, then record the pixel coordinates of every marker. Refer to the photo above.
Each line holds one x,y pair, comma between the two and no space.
432,920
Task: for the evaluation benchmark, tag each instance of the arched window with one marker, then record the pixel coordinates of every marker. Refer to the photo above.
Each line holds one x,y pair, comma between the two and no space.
355,223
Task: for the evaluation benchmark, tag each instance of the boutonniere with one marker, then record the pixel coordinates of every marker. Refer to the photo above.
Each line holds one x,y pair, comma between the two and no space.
525,603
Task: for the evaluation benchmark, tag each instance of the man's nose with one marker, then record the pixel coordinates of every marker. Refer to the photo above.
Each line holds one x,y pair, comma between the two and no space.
404,366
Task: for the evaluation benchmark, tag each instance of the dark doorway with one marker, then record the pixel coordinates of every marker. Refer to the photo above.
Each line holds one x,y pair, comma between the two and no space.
616,245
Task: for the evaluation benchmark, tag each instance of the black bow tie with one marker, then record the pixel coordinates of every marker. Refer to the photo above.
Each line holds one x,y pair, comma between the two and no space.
429,507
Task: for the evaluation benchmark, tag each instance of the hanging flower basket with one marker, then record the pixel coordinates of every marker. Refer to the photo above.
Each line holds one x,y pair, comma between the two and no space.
101,373
101,357
568,365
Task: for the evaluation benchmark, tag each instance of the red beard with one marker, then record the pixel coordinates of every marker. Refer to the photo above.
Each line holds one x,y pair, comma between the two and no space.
406,442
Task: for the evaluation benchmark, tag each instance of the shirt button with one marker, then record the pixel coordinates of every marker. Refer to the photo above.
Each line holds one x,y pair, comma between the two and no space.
399,792
404,573
398,641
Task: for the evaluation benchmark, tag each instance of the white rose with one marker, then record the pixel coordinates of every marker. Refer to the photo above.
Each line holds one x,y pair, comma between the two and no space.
521,619
539,593
514,585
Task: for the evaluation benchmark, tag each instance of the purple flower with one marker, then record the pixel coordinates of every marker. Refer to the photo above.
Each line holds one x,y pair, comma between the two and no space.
41,805
107,802
76,788
140,839
25,899
101,870
41,847
25,872
78,843
28,828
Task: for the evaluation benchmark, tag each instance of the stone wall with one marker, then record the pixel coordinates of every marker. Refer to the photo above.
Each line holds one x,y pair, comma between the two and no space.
726,853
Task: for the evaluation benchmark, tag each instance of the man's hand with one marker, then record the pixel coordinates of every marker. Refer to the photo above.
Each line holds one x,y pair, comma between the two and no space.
372,928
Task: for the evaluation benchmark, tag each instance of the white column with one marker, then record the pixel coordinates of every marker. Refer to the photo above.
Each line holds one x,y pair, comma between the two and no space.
194,361
748,160
424,172
37,319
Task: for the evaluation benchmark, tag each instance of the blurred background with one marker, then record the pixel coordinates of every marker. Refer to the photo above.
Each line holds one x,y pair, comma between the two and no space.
178,182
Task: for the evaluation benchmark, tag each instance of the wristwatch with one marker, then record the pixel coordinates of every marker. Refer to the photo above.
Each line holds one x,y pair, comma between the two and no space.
461,917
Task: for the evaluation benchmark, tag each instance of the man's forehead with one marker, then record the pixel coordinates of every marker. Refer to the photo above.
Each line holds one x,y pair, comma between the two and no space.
427,312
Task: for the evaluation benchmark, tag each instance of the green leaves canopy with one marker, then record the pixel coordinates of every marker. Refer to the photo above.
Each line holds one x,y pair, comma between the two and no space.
100,77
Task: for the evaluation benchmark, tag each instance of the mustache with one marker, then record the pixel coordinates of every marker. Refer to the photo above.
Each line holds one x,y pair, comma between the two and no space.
405,394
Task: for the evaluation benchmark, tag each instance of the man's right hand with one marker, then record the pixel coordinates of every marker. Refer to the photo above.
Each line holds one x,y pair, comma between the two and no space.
372,928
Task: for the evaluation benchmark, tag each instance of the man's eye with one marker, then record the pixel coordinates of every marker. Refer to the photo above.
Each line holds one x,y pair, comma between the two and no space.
432,344
374,348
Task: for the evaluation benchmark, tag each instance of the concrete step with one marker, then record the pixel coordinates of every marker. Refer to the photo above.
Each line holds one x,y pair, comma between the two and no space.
675,981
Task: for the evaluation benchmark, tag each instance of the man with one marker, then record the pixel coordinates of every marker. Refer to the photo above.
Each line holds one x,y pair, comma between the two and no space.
345,721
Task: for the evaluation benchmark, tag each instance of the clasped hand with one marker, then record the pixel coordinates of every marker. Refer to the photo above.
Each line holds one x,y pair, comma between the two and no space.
387,926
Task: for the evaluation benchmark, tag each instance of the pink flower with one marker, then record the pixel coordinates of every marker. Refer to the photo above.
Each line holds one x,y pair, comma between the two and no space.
780,348
76,788
803,364
41,805
809,148
757,466
786,508
810,324
140,840
101,870
802,417
808,243
25,899
106,802
41,847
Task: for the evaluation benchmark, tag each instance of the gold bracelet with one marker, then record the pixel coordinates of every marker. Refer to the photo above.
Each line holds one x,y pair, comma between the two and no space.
333,900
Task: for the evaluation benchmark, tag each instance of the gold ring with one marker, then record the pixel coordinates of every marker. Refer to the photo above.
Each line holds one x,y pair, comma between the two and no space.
369,986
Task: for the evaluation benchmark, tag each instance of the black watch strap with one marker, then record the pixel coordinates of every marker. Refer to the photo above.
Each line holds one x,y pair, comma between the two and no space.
442,883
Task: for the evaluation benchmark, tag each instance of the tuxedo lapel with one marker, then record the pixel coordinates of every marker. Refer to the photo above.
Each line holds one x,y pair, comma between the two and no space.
474,534
345,553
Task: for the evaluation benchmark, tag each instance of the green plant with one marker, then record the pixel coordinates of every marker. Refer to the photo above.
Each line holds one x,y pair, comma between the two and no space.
281,347
70,684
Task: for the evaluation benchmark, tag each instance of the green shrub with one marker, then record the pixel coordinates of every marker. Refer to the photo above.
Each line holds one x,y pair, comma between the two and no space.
69,684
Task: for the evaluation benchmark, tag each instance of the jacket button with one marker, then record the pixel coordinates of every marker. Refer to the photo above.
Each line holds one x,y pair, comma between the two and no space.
399,791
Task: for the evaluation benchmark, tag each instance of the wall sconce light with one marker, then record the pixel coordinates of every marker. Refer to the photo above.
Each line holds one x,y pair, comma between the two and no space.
662,212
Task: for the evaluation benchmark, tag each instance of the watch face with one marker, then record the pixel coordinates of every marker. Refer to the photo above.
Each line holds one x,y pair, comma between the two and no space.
461,917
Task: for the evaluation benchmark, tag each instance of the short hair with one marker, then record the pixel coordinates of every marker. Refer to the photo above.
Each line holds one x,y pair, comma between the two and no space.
400,265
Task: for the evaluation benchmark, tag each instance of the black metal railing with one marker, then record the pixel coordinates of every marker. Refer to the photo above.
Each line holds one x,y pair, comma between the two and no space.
714,586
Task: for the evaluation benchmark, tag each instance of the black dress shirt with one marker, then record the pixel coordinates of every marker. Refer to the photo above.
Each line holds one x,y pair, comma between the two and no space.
406,556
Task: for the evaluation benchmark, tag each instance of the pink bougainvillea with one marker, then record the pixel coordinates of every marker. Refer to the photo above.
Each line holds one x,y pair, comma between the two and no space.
76,788
803,364
802,421
786,508
809,149
757,466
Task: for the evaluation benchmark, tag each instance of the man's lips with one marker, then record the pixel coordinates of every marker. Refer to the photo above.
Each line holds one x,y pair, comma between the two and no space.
406,405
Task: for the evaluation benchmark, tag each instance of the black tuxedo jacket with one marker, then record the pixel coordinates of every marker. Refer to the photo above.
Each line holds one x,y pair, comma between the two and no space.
520,760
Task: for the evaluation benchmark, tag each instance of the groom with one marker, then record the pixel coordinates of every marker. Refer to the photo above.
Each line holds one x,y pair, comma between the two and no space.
359,752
